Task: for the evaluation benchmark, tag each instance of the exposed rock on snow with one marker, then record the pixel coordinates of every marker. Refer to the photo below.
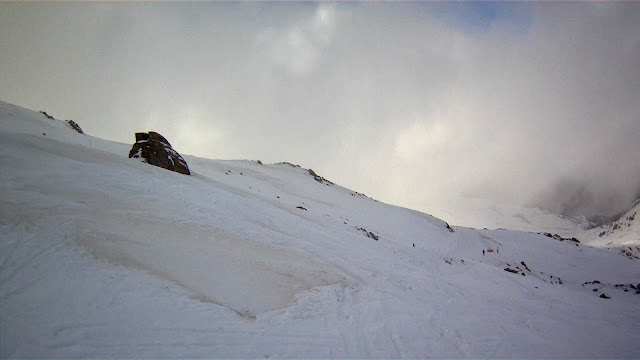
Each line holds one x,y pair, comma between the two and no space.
47,115
74,125
631,253
287,163
448,227
560,238
319,178
598,286
369,234
156,150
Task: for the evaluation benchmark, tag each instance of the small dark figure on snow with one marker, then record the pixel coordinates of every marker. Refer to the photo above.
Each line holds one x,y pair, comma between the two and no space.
414,245
482,252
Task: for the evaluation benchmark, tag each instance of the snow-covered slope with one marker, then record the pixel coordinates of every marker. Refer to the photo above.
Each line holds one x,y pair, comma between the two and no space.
105,256
622,235
478,212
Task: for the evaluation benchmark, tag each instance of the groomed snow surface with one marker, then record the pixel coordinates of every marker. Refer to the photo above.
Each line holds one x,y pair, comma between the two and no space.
102,256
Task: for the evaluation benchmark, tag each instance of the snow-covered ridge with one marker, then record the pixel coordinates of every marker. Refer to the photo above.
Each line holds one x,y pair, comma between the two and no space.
105,256
622,235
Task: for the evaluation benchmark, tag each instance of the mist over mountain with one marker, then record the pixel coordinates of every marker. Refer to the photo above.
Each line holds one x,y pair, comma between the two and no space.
597,203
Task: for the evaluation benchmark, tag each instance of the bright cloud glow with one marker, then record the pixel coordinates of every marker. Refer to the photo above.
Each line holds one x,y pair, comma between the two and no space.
420,139
299,49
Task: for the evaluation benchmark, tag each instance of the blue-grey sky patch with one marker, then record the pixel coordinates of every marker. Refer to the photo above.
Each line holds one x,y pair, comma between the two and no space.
479,16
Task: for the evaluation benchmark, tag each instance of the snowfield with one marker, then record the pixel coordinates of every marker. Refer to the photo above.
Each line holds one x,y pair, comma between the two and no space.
622,235
102,256
484,213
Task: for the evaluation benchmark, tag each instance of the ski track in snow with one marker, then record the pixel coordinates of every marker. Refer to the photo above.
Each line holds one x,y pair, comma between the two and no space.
105,256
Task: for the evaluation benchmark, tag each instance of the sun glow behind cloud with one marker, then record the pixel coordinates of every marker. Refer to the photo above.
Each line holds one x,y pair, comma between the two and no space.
420,140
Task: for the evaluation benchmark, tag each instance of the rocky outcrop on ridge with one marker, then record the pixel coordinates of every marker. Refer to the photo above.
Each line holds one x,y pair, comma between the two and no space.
319,178
74,125
46,115
154,149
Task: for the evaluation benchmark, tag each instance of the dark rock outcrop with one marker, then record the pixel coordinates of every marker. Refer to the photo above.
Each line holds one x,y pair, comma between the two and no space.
448,227
369,234
47,115
156,150
560,238
288,163
600,286
319,178
74,125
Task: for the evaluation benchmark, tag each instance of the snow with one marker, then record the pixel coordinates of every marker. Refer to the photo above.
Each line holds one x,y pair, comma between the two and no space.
102,256
622,235
479,212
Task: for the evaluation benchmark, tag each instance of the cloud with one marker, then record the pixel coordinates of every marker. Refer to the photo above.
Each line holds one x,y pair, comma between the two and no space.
420,140
298,48
413,103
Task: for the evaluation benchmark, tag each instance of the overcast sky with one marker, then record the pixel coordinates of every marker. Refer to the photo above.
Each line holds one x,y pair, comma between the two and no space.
412,103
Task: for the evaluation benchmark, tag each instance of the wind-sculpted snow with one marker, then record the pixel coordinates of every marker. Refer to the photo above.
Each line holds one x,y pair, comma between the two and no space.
245,277
102,256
